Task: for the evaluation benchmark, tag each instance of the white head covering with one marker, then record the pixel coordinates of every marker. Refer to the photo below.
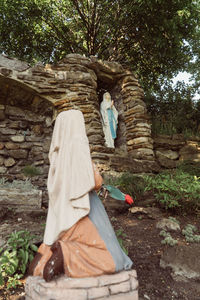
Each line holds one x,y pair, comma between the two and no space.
107,102
71,174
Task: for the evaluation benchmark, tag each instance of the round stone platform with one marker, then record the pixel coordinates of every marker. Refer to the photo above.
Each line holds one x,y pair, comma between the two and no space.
123,285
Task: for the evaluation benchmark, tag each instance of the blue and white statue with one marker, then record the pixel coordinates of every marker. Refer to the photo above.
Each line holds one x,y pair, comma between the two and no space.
109,116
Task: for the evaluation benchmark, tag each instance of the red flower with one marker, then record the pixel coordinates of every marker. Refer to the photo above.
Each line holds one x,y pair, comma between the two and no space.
128,199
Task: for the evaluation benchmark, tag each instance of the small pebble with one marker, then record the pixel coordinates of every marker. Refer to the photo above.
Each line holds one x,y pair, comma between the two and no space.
19,219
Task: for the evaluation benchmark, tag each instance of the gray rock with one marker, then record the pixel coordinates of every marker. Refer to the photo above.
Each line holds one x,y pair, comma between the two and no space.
165,161
13,63
9,162
26,145
164,141
143,153
168,224
3,170
1,160
46,145
14,125
15,170
33,138
7,131
17,197
152,212
23,114
167,153
4,152
11,146
17,138
20,153
190,152
183,259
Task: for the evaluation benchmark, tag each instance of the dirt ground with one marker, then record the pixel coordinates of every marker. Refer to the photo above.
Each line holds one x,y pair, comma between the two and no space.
145,249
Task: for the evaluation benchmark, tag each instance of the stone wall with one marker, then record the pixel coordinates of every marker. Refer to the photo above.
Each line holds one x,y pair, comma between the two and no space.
77,82
120,286
171,150
24,141
31,97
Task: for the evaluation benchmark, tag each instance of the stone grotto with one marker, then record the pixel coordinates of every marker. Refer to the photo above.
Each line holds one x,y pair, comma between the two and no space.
31,97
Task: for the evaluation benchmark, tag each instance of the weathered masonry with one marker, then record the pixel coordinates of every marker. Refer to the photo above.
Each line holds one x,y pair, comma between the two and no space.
31,97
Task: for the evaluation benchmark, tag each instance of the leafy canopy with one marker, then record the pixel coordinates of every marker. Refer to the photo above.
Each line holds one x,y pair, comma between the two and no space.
173,109
154,37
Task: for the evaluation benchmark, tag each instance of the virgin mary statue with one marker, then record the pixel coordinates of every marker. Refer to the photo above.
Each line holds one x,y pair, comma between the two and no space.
109,116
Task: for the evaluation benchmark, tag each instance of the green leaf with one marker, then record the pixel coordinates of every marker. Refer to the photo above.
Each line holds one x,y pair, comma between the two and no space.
22,254
34,247
26,257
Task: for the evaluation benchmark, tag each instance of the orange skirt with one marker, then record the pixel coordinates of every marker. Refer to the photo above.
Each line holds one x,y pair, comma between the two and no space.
84,252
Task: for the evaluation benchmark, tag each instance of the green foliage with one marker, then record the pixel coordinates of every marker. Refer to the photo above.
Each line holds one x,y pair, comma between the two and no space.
190,167
31,171
174,220
18,184
189,231
178,191
13,281
156,39
120,236
15,258
174,190
130,184
150,36
173,110
168,240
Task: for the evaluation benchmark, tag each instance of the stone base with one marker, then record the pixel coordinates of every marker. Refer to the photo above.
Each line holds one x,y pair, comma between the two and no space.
16,197
123,285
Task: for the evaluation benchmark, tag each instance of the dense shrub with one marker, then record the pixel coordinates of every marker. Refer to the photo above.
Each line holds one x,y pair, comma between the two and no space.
173,109
178,191
174,190
16,257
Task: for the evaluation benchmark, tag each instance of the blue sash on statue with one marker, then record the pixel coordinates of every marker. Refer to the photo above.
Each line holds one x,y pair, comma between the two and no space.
111,119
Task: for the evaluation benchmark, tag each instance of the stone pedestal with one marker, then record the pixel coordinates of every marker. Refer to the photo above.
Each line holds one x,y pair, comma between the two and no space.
119,286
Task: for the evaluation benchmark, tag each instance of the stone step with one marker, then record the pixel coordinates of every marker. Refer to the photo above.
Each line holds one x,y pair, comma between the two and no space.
119,286
15,197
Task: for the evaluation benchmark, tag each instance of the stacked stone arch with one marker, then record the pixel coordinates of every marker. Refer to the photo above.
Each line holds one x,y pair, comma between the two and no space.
37,94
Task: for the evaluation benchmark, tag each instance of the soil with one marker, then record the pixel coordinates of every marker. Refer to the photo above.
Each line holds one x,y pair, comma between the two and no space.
141,239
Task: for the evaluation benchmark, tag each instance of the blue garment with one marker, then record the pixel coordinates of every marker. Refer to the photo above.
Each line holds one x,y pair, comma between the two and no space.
100,219
112,121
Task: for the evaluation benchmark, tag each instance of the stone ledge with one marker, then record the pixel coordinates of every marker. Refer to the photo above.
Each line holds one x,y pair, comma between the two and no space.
117,286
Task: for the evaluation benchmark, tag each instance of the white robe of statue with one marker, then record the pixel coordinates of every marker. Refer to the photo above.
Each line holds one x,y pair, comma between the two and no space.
109,116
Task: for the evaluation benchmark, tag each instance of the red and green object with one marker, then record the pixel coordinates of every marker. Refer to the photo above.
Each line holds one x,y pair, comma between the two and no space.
115,193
